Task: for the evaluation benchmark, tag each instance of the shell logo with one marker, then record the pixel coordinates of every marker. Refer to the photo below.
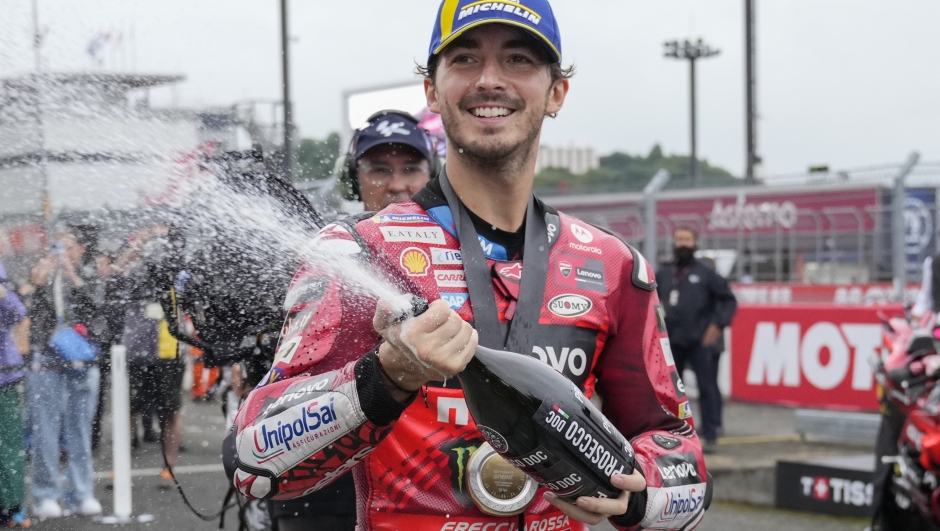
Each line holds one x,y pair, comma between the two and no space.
415,261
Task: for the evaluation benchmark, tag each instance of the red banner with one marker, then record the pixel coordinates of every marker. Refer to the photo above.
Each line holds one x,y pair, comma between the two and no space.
806,355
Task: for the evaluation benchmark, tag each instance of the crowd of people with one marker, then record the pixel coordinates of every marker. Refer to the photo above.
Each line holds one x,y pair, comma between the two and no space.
56,332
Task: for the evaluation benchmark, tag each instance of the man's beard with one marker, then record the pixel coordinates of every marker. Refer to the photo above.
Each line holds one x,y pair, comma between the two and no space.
487,152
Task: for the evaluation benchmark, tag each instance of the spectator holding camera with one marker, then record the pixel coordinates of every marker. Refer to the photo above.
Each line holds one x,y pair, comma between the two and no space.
63,386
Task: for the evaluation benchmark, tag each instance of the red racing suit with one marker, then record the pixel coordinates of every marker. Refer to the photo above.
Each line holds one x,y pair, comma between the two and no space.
324,410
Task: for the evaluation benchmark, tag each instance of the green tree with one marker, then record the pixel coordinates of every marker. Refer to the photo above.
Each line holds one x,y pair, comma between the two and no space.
316,158
623,172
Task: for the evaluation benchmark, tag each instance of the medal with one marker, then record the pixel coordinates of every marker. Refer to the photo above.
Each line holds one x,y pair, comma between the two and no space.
496,487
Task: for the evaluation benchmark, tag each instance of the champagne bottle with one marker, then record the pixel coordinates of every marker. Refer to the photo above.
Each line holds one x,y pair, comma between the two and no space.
541,423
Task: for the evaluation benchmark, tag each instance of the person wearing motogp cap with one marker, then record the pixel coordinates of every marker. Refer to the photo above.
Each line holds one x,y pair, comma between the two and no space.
389,159
346,396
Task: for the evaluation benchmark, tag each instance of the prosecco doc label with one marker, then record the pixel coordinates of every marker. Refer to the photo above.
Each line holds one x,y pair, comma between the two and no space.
599,450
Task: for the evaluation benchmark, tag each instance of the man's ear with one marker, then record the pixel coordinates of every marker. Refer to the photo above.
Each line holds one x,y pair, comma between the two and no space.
556,96
434,104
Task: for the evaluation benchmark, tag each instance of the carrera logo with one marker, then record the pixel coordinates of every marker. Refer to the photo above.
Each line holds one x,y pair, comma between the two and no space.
450,279
570,305
415,261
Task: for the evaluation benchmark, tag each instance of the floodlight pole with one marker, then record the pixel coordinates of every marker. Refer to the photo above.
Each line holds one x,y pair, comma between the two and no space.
691,51
288,119
693,161
749,88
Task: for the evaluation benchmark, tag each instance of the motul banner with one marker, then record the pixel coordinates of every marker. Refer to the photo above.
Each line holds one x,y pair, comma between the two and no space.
806,355
788,293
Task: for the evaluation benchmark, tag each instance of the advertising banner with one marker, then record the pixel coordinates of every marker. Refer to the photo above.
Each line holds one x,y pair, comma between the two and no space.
804,213
839,294
728,213
826,487
920,233
807,355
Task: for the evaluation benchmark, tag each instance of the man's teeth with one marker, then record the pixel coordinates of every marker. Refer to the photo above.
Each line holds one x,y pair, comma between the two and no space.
491,112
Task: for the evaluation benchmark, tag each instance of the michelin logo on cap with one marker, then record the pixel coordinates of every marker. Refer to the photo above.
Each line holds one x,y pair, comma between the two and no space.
457,16
501,5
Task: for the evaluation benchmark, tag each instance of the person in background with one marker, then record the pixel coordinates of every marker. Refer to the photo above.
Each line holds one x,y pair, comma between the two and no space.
59,390
389,159
698,305
138,333
926,302
153,354
12,462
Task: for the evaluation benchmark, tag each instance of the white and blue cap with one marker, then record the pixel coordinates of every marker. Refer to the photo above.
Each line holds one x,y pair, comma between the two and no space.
457,16
392,127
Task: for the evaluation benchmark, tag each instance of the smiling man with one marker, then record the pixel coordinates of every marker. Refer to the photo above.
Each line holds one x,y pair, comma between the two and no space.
381,400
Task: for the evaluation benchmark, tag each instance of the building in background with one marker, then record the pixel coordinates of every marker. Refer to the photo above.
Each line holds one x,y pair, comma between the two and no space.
82,141
74,144
577,160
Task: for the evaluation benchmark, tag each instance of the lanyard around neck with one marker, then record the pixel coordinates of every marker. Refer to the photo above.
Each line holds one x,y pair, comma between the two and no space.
522,329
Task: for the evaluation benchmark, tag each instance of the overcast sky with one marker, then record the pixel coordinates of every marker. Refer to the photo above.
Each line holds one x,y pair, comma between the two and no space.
847,83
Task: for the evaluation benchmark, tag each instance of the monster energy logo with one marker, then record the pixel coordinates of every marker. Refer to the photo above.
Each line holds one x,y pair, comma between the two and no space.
463,457
458,453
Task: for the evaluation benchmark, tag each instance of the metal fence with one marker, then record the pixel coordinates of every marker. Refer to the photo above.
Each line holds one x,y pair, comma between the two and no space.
826,244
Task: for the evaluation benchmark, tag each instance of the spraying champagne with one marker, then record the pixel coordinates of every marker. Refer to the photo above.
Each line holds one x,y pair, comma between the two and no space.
542,424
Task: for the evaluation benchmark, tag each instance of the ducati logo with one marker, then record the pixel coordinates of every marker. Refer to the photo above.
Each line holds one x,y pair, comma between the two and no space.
564,268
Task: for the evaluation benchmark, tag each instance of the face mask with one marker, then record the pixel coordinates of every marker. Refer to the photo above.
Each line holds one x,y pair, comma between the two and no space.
683,255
